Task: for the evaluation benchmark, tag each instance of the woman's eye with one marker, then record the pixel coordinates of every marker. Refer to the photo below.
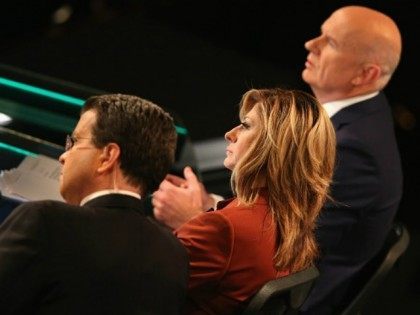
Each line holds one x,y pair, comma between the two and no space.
244,125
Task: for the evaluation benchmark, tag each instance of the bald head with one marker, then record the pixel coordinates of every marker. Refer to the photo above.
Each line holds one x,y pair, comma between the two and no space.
355,54
373,35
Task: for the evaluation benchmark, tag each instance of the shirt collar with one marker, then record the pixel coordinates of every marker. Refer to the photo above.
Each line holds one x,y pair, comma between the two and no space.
333,107
107,192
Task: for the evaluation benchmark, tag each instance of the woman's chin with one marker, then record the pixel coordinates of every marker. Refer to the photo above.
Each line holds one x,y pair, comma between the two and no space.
228,164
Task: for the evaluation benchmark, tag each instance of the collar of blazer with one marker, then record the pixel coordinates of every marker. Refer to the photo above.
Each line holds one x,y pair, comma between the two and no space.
354,112
116,201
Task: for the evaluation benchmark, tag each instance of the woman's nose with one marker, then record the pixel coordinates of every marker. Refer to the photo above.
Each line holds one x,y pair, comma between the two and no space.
231,135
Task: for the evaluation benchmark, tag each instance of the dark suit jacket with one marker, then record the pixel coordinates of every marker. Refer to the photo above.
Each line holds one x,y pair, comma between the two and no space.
231,256
103,258
367,189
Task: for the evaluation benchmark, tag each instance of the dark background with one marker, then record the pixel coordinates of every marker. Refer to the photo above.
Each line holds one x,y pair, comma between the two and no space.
199,57
193,56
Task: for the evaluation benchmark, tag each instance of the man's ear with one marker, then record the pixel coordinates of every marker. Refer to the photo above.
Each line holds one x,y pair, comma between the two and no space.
369,74
109,157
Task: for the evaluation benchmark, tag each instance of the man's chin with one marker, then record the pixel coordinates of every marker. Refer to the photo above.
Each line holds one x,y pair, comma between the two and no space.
307,77
63,194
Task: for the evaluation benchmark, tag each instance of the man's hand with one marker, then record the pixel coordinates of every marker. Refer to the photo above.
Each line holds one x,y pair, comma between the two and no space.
178,200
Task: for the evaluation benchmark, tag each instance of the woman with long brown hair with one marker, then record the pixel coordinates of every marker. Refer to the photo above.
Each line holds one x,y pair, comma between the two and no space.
282,159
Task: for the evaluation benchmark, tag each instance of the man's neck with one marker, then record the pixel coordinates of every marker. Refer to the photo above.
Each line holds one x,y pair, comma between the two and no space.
109,185
326,97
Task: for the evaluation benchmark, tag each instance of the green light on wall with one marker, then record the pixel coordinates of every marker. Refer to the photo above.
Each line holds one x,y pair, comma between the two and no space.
16,149
43,92
181,130
57,96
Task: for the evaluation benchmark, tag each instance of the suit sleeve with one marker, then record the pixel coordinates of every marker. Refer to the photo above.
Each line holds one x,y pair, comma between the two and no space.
208,239
355,182
22,238
354,189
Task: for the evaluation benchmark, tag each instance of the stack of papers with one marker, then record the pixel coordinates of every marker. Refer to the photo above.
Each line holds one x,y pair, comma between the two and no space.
36,178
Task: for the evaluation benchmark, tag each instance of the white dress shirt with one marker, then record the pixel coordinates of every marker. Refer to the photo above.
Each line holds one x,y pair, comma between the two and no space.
108,192
333,107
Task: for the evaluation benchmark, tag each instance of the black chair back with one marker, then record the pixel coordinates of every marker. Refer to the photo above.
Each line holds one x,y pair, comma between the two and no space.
377,270
284,295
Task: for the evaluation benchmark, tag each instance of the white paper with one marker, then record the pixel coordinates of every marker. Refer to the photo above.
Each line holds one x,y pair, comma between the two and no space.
36,178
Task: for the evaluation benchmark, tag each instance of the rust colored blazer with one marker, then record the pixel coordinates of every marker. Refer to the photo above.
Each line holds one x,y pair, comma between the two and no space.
231,254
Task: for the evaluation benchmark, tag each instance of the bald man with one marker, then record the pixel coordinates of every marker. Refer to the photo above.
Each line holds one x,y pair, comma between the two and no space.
347,66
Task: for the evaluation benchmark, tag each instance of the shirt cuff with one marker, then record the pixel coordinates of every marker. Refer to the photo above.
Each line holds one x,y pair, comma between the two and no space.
216,199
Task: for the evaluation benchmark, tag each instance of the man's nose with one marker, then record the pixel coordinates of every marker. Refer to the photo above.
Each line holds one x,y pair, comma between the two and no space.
312,45
62,158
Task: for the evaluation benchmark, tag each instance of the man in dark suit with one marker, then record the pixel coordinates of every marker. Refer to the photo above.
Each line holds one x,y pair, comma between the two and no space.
98,253
348,65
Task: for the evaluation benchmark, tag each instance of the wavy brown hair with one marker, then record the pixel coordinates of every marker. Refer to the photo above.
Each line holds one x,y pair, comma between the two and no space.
292,158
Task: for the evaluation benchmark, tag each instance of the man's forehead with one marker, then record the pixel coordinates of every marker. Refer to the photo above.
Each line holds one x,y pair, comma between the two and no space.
343,32
335,25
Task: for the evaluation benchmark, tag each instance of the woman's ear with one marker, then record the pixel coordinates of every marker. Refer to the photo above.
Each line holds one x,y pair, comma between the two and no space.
109,157
369,74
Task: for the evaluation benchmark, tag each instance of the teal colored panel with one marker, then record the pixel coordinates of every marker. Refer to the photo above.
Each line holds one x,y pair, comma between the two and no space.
42,92
16,149
37,117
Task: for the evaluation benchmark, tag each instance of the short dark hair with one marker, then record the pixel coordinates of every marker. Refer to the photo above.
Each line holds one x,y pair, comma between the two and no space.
145,133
